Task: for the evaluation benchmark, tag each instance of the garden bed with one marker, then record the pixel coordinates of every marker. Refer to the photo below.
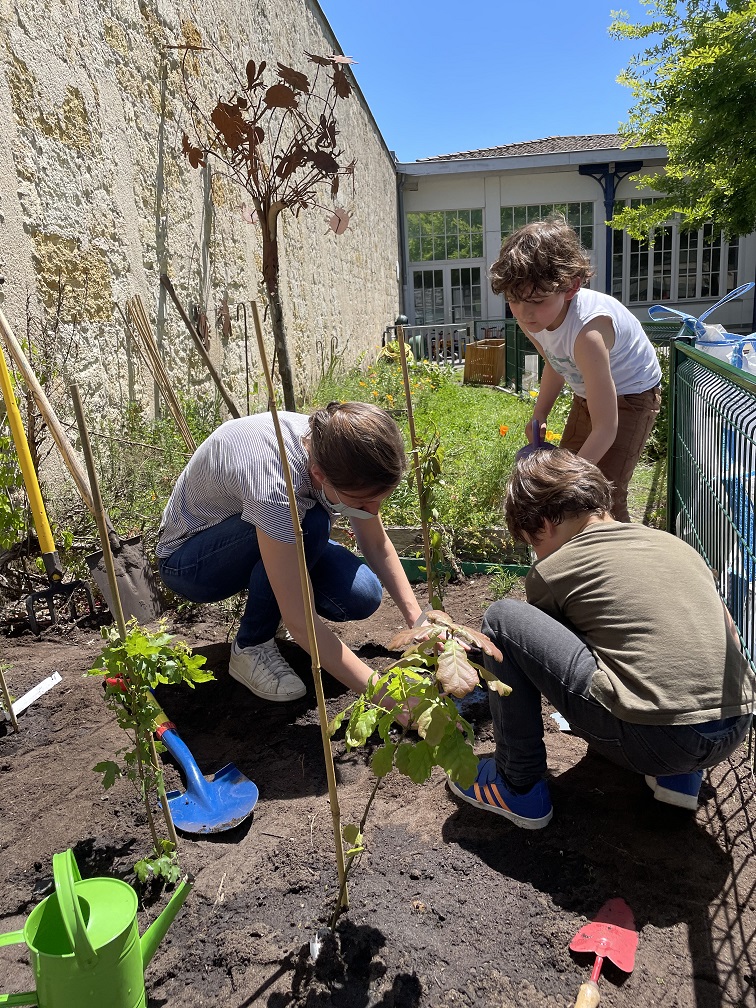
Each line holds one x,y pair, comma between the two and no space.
450,906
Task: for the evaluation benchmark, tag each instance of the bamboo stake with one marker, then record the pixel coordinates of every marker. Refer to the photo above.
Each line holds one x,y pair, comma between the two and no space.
7,702
310,621
415,450
146,343
107,555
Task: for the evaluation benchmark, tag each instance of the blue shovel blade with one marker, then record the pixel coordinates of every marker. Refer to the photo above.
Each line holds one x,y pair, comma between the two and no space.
208,806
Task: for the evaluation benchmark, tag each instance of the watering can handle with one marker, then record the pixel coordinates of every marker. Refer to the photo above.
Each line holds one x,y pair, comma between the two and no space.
66,874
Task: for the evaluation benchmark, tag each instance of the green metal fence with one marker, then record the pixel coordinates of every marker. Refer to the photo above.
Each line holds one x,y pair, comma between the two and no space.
711,481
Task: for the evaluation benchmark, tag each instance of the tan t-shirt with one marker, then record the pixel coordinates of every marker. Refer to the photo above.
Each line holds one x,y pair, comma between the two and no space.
646,605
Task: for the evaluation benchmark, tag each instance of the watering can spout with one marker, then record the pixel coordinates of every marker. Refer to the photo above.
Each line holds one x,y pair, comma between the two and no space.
156,931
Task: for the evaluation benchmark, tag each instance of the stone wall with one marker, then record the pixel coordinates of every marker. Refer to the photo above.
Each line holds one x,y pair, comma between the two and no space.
96,198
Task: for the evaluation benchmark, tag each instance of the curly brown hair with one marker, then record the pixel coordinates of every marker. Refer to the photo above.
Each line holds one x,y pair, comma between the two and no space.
544,256
553,485
358,446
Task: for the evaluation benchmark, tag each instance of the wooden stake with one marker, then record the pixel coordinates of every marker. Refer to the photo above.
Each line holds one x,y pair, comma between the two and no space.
310,620
107,555
142,330
415,453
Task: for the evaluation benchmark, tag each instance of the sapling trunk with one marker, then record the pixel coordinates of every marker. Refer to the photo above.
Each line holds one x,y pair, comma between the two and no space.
99,515
310,622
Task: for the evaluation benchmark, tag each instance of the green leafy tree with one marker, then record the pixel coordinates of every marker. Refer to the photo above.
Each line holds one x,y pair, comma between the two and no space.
695,91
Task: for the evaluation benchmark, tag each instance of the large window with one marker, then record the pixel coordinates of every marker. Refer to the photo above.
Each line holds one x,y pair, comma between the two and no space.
443,290
579,215
445,234
673,265
455,288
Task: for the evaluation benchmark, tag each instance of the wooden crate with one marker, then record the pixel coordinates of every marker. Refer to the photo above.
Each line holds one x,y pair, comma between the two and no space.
484,362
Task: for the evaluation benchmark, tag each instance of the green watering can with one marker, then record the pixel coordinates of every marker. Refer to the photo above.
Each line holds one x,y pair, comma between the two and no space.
84,942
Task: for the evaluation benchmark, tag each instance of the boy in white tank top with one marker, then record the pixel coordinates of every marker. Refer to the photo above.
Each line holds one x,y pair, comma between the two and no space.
590,342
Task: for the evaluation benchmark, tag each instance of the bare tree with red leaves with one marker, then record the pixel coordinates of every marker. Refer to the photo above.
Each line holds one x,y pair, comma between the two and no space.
280,143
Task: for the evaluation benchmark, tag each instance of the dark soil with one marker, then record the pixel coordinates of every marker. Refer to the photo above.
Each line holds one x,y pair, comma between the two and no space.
450,906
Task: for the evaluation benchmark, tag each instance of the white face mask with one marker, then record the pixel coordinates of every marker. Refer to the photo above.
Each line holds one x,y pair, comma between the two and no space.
342,509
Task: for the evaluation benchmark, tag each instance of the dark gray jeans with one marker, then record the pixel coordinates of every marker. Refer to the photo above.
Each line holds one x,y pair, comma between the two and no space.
542,656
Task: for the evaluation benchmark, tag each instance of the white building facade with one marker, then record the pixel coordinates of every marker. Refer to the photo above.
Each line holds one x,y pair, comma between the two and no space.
456,210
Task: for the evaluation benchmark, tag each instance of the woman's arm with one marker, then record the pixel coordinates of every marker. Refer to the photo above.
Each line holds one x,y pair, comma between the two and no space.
282,568
592,358
382,559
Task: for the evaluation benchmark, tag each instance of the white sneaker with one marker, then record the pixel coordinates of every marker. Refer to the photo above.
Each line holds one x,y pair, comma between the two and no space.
263,670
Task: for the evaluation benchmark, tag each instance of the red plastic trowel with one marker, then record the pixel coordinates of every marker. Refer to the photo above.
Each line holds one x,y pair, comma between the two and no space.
611,935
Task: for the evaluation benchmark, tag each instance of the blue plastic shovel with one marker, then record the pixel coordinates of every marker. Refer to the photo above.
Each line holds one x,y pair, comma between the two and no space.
535,445
206,806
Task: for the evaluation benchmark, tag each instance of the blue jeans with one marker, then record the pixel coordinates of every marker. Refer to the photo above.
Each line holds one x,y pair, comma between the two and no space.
544,657
225,559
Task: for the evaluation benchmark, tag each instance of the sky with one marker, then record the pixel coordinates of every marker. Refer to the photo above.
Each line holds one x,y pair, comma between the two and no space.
443,76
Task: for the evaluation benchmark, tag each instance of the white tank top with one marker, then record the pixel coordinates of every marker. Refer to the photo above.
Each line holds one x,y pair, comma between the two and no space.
632,359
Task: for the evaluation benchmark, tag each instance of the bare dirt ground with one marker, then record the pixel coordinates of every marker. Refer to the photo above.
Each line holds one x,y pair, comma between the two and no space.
451,906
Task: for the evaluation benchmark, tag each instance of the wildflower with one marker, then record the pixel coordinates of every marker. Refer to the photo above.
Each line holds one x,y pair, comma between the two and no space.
534,393
389,397
364,384
375,393
553,436
503,429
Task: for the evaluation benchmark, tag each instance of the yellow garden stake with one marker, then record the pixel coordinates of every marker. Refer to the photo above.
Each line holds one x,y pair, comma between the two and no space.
310,621
415,450
50,558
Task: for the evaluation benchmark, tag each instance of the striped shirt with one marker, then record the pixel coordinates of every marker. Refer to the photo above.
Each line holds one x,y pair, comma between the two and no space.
237,471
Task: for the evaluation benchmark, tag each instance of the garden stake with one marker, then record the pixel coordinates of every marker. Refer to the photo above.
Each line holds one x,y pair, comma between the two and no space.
117,610
53,567
243,308
134,571
7,701
140,327
309,619
415,449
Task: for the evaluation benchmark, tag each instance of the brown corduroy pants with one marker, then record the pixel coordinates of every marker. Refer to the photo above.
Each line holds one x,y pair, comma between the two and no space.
635,419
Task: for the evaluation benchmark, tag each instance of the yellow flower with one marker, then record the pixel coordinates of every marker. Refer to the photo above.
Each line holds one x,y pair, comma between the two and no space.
389,397
533,393
375,393
503,430
553,436
364,384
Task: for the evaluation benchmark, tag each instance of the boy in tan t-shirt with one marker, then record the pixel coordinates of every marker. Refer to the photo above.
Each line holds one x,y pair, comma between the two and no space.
661,690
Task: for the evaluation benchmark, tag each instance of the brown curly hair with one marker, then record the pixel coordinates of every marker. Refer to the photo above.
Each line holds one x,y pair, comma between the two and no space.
553,485
544,256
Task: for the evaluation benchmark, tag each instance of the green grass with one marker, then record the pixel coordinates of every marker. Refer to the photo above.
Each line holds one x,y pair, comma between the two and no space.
480,431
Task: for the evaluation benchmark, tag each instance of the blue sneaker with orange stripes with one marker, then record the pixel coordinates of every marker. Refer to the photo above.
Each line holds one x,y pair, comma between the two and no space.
530,811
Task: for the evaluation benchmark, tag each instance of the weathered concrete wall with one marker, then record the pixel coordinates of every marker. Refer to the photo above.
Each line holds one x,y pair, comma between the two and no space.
96,198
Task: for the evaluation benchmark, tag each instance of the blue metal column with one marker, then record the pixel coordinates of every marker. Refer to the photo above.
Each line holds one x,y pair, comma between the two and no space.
609,176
